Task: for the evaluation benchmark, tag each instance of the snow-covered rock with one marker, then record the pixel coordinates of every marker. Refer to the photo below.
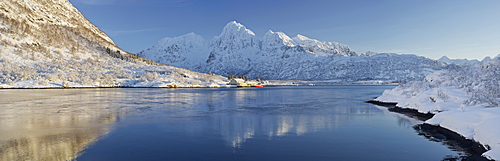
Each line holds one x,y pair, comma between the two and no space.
464,99
49,43
238,51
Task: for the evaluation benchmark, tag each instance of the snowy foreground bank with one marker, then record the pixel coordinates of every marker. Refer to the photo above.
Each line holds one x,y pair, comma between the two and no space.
464,100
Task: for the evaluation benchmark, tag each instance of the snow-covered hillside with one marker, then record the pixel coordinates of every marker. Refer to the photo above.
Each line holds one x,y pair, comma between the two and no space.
474,85
49,43
238,51
465,99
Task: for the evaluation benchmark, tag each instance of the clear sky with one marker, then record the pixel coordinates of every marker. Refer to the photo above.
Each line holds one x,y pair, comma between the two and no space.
432,28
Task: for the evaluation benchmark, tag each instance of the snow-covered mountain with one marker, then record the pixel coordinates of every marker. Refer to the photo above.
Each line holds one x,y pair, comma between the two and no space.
49,43
238,51
464,62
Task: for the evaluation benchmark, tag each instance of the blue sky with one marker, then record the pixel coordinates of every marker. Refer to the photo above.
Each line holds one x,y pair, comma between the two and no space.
431,28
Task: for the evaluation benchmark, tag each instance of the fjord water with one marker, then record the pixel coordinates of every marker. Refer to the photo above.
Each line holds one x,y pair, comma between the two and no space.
273,123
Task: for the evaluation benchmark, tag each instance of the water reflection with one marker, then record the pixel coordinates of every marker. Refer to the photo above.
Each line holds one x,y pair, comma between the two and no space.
239,115
237,129
61,124
52,125
403,120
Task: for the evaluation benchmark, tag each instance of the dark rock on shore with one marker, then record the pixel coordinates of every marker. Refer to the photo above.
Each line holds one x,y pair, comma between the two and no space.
440,134
385,104
406,111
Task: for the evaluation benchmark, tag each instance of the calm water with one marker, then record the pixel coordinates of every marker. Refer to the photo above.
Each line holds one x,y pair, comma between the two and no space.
274,123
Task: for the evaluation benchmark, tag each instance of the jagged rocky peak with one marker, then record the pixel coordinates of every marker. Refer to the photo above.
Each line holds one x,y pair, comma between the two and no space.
235,36
276,39
233,28
301,38
322,48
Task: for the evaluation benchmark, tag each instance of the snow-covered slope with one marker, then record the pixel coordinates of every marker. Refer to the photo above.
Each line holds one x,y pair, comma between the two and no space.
465,99
238,51
464,85
48,43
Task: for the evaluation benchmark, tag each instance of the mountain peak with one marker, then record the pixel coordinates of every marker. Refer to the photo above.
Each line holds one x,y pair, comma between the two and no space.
275,38
301,37
269,32
235,36
444,58
303,40
235,27
233,23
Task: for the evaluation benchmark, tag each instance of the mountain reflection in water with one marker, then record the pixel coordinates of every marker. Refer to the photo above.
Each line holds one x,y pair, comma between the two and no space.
82,124
51,124
240,114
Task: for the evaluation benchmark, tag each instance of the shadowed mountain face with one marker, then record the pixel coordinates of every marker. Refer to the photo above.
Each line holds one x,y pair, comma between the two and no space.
49,42
238,51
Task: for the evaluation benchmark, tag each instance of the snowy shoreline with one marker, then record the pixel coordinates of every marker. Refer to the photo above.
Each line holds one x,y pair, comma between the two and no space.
436,132
474,129
391,106
443,133
465,100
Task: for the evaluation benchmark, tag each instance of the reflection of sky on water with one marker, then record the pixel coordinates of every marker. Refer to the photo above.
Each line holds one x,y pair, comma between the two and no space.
60,124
